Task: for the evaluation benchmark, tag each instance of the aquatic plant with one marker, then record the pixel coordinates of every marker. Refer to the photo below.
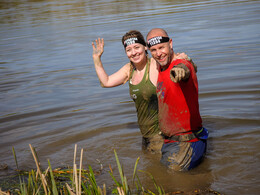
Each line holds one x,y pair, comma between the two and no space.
78,180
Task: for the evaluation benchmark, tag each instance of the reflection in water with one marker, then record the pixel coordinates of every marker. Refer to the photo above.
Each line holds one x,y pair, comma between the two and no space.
51,98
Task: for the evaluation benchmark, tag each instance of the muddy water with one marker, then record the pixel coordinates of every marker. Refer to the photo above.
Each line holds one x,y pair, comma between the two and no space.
50,96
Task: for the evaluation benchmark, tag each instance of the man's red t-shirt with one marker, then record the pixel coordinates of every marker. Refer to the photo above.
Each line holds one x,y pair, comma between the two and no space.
178,102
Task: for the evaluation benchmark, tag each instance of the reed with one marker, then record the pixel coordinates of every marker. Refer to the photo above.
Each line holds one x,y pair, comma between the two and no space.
82,181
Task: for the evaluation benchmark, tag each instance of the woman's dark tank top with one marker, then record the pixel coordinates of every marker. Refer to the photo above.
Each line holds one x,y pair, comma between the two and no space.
146,103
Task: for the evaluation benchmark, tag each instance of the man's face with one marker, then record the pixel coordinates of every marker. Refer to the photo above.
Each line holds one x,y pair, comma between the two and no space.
162,53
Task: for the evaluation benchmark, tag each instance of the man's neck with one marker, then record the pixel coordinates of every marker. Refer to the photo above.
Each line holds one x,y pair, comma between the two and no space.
163,68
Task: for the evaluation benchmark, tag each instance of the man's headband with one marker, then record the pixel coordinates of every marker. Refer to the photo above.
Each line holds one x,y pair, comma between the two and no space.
157,40
133,40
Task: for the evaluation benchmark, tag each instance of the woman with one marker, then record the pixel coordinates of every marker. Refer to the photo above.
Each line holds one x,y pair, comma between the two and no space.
142,74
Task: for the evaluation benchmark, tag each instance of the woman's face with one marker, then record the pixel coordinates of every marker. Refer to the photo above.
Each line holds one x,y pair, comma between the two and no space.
136,53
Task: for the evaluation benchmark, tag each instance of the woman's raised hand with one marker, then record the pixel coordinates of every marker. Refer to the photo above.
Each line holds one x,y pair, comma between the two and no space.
186,57
99,48
182,56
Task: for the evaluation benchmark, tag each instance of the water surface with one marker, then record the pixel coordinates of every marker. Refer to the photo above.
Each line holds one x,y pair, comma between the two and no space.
50,96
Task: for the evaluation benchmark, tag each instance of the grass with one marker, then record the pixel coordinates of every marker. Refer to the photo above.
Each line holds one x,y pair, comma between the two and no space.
76,181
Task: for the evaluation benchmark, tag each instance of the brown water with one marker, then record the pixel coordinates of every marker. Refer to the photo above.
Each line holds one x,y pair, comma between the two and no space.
50,95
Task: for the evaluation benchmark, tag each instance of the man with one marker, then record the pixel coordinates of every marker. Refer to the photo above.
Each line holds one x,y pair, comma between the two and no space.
179,117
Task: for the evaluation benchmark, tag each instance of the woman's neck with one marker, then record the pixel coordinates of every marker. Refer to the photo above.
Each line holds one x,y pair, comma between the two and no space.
140,66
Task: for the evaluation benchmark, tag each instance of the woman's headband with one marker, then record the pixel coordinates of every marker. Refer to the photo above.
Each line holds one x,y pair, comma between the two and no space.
133,40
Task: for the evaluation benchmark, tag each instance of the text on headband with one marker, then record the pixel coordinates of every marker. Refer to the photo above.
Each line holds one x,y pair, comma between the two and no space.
157,40
133,40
